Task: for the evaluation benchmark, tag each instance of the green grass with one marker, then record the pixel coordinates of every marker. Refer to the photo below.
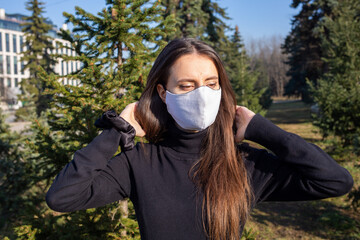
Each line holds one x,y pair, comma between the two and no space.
292,111
326,219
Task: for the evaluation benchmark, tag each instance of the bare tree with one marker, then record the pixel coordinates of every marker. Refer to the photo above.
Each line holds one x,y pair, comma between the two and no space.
267,57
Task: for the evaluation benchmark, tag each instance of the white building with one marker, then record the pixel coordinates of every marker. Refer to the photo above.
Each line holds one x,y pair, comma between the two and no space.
11,66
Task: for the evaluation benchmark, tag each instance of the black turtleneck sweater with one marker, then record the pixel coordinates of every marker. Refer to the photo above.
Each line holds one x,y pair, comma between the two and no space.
155,177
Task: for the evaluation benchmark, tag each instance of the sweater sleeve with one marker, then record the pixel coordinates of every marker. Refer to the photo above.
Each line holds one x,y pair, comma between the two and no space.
93,178
298,171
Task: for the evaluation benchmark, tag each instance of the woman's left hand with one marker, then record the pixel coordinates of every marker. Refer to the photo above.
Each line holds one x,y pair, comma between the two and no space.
242,118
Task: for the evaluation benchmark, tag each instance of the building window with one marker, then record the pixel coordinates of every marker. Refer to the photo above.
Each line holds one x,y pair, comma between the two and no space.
1,64
21,43
7,39
72,67
16,82
14,44
22,67
0,42
67,68
62,68
8,66
15,65
2,87
9,82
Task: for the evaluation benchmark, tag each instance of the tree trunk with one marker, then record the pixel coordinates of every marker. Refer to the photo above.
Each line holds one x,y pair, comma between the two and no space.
124,209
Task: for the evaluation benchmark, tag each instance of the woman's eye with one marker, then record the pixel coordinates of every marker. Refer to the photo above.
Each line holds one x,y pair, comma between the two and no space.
186,87
212,85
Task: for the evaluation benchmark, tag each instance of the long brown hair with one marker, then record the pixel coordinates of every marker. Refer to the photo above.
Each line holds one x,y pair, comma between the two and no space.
220,173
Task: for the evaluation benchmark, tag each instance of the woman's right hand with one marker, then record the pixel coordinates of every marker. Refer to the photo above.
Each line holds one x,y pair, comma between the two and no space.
242,118
129,115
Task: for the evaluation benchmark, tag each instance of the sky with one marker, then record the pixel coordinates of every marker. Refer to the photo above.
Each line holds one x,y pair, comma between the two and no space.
255,18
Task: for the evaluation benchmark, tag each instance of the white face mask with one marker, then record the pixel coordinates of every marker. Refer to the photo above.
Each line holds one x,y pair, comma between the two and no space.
194,110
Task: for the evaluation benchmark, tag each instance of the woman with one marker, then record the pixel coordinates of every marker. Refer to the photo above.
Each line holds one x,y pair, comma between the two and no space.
192,180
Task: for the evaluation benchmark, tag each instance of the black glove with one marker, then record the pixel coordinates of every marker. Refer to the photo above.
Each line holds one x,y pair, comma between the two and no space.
111,119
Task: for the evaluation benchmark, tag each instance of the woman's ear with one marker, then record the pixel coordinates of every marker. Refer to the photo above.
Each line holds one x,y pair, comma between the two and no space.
162,92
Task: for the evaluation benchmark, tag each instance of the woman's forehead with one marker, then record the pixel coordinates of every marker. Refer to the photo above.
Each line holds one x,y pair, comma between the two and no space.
193,66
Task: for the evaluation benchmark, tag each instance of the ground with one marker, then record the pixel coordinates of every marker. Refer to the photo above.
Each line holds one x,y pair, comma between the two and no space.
326,219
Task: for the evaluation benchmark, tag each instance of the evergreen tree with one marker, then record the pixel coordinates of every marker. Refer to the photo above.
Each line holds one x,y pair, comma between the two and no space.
116,48
13,180
215,28
243,80
303,46
190,19
20,189
198,19
337,93
215,25
37,55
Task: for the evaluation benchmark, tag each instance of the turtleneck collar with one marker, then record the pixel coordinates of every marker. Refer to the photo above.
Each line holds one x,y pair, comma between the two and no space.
184,142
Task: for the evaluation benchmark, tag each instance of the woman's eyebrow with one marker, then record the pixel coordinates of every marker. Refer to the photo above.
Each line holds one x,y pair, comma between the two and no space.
186,80
212,78
193,80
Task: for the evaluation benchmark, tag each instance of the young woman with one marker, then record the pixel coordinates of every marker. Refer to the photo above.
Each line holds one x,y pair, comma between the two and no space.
194,179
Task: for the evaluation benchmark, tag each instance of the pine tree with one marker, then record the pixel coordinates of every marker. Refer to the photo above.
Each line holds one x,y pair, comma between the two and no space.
338,91
242,79
203,20
190,19
13,180
215,28
116,48
303,46
37,55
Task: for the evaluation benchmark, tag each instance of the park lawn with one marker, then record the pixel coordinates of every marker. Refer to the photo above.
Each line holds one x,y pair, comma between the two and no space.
325,219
